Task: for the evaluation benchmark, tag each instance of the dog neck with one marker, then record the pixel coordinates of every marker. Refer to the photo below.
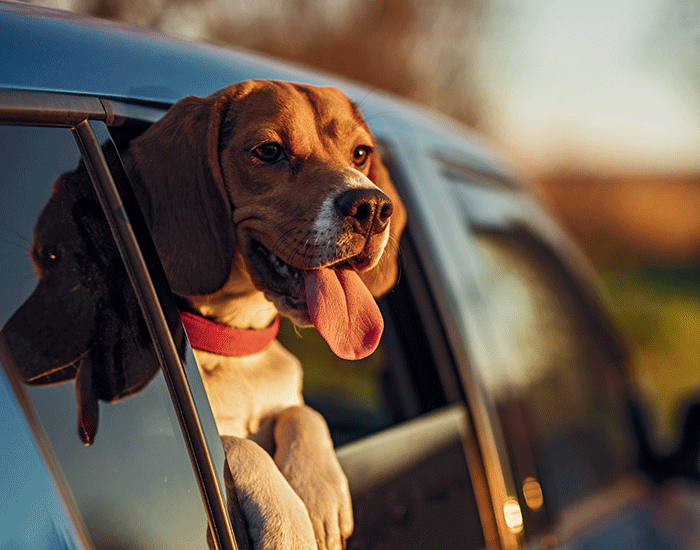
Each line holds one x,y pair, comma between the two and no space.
248,311
237,304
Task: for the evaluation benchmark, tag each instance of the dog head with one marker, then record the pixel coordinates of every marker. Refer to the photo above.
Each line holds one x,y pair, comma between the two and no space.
273,188
82,321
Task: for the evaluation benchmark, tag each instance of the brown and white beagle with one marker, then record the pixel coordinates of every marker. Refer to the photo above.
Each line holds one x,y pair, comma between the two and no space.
270,198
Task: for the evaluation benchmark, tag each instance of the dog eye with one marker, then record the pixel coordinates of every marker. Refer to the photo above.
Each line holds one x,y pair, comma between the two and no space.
269,152
361,154
47,256
50,254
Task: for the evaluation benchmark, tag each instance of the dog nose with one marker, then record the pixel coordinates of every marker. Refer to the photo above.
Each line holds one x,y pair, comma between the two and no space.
368,209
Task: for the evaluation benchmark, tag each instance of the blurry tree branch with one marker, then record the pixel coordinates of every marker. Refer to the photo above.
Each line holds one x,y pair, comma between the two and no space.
418,50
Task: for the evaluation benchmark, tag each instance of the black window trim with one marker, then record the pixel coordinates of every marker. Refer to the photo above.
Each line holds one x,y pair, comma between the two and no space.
79,114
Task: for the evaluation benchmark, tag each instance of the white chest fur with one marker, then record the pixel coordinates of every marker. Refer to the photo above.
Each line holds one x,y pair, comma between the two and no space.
246,393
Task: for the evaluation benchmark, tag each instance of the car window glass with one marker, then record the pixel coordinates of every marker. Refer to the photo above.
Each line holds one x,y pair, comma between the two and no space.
555,376
66,303
563,388
411,485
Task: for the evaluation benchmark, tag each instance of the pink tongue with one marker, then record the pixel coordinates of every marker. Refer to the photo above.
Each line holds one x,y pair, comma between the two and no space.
344,312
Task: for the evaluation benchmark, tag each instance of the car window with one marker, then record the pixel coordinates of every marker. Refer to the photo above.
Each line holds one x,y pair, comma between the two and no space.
557,377
563,387
558,390
66,301
33,512
409,373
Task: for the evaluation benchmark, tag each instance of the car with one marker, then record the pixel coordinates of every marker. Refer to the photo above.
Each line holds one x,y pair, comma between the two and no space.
498,411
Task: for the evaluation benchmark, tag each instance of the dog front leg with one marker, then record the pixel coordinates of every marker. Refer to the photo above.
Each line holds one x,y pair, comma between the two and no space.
275,516
304,454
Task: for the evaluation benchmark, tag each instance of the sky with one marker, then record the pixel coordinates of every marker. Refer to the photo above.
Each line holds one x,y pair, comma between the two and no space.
604,82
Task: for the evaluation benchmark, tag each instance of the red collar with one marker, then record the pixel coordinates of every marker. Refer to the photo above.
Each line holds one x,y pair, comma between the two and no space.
207,335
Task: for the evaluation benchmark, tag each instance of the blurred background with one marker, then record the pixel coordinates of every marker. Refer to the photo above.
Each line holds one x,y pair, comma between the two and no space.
595,102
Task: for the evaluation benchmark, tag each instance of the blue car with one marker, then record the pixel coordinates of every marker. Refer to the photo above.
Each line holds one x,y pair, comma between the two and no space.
497,412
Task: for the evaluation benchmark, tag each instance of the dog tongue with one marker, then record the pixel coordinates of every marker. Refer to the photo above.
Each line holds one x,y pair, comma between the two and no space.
343,311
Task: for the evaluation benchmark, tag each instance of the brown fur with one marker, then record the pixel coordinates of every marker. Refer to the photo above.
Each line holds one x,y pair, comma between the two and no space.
210,202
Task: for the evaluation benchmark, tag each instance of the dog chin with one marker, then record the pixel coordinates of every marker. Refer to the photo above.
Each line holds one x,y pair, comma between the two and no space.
295,310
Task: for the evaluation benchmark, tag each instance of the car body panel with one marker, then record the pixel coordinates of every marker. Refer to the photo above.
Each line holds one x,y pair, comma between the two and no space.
93,57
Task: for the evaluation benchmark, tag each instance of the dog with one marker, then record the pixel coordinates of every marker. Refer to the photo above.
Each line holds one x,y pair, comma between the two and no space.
269,198
82,321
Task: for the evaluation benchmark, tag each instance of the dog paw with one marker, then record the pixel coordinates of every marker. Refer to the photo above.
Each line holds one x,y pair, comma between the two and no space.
275,516
326,494
306,458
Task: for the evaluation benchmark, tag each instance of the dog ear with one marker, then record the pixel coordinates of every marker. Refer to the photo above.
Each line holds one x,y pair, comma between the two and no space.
381,278
174,168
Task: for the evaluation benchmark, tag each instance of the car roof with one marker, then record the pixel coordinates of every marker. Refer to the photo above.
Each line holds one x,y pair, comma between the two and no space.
66,52
58,51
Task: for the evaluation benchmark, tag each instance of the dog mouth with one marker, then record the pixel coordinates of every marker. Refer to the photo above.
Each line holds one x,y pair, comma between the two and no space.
281,278
331,297
278,276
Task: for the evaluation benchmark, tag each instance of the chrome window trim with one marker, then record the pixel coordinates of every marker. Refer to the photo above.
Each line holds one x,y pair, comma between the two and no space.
49,109
76,113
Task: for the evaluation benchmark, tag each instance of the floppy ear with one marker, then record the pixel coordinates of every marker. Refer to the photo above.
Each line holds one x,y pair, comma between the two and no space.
381,278
174,168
